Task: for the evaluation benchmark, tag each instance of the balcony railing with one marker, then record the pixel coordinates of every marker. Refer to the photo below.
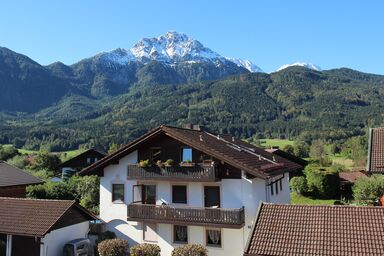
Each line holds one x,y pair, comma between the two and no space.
224,218
198,172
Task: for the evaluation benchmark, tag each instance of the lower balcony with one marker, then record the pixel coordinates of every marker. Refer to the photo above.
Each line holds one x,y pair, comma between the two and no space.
198,173
213,217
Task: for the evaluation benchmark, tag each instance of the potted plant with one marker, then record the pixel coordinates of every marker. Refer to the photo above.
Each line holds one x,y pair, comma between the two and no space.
144,163
169,162
187,163
160,163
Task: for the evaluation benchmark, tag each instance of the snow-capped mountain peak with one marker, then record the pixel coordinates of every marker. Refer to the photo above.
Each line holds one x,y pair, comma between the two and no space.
245,64
172,47
301,64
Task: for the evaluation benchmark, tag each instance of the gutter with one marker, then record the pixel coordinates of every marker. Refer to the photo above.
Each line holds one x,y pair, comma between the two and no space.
370,137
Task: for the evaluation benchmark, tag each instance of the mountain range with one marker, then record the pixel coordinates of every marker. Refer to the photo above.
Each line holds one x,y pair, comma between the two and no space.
116,96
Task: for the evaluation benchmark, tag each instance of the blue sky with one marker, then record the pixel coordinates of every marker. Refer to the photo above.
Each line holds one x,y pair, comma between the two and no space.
270,33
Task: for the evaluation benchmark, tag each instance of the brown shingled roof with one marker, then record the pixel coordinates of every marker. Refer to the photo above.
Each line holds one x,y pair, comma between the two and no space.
13,176
375,163
233,151
317,230
32,217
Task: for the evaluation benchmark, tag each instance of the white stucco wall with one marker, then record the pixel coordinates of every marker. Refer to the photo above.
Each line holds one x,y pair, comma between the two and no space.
235,193
54,241
283,197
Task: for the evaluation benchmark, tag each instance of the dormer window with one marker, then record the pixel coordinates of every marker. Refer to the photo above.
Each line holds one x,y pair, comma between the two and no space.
186,155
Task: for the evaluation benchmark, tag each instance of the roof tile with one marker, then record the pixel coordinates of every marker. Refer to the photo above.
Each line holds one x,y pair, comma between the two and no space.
317,230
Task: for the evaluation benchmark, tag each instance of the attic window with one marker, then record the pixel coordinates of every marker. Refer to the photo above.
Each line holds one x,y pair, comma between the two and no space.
186,154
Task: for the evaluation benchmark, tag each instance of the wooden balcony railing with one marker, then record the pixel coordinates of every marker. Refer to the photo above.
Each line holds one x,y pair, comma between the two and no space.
198,172
219,217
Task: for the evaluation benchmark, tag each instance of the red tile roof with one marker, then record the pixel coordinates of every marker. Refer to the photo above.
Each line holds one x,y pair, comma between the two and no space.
235,152
12,176
375,163
32,217
317,230
351,176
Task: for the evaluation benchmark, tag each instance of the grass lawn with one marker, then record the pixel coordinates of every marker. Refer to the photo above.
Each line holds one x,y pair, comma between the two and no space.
267,143
299,199
70,153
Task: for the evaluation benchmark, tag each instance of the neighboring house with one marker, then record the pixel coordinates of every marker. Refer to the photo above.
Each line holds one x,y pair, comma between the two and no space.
37,227
79,162
14,181
286,155
290,230
375,161
347,180
209,195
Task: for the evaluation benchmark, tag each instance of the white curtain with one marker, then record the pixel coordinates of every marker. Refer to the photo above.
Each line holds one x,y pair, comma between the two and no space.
181,233
214,236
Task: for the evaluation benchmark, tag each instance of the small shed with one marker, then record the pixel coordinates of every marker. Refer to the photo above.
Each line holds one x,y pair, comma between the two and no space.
13,181
347,180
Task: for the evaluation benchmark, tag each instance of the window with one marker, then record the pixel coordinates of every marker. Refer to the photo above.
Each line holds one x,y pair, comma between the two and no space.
179,194
277,188
186,155
88,160
149,232
281,184
272,189
117,192
155,155
213,237
180,234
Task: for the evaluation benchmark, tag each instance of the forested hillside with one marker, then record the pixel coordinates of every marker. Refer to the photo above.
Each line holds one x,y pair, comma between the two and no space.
296,103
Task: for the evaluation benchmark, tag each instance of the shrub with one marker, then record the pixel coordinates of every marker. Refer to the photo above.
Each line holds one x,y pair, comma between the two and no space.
322,182
190,250
299,185
368,189
145,250
113,247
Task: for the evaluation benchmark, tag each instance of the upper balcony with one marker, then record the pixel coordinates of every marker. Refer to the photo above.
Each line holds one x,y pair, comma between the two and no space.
196,172
197,216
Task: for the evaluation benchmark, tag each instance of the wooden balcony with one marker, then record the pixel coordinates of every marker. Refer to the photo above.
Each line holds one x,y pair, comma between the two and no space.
213,217
198,173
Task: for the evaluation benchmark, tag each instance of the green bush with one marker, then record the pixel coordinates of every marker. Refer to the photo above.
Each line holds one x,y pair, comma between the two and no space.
145,250
299,185
190,250
369,189
113,247
322,182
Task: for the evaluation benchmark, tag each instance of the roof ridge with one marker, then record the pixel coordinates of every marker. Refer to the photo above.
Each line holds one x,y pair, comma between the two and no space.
324,205
36,199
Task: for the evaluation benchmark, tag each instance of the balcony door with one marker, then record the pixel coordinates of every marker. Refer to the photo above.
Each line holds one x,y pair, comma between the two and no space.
212,196
145,194
148,194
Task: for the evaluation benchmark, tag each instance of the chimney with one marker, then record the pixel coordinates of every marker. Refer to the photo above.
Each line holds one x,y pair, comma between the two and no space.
188,126
195,127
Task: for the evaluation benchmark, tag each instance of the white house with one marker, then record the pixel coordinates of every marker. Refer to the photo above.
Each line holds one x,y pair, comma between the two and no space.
209,195
38,227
